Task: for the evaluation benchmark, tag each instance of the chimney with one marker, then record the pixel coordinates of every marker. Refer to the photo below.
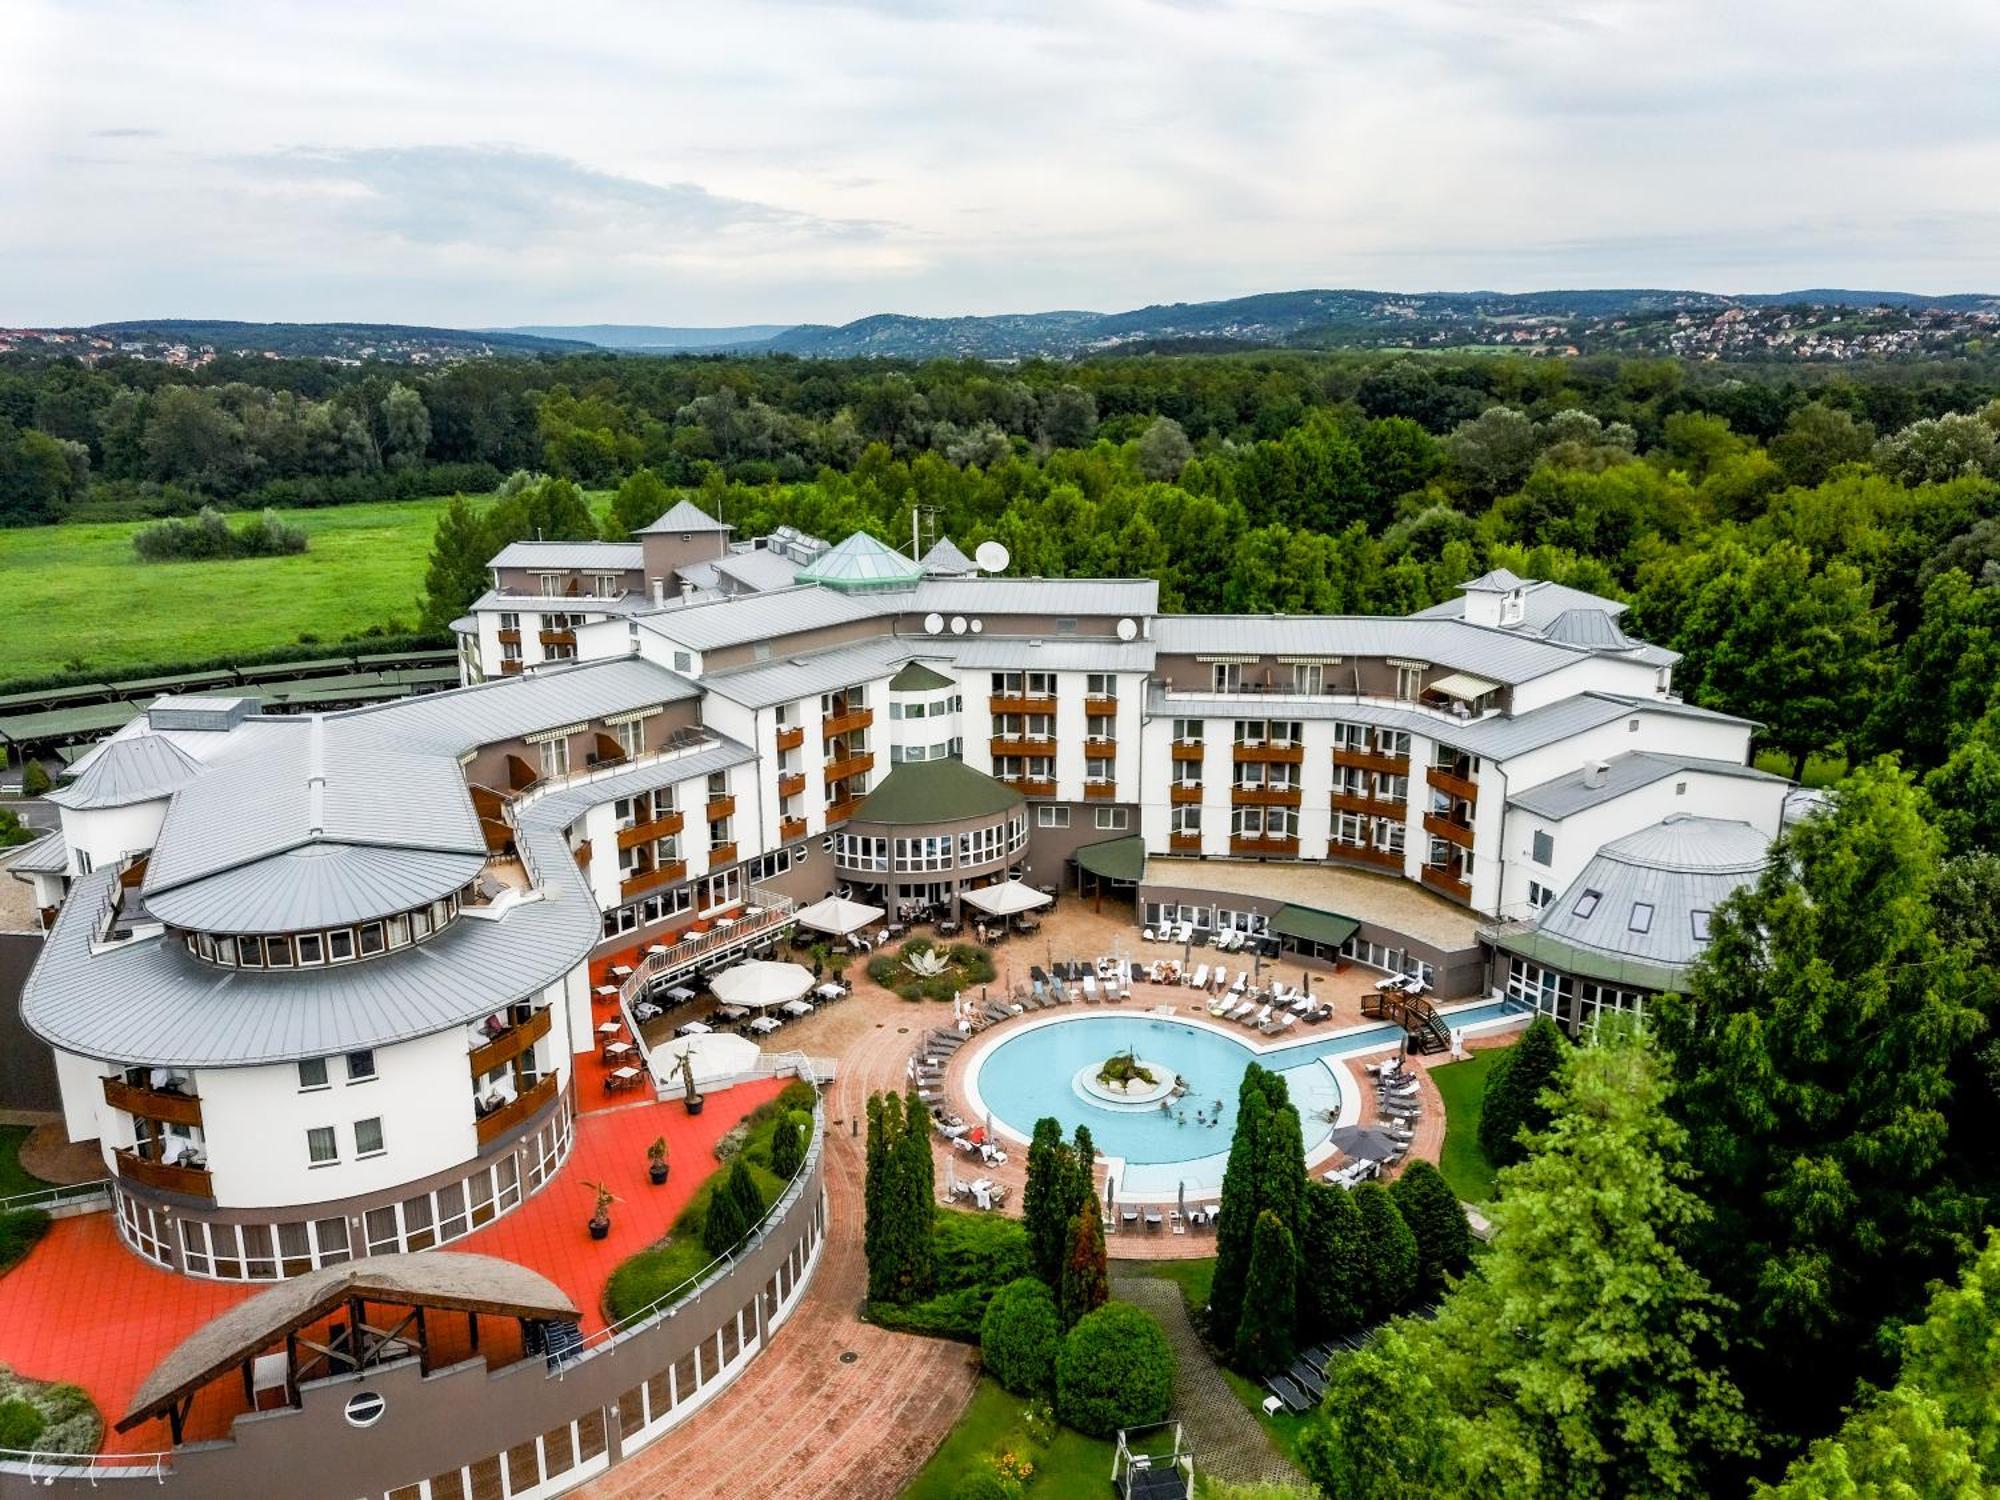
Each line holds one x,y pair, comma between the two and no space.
1593,773
659,593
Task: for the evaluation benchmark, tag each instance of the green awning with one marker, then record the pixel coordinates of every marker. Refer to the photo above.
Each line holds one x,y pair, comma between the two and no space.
1121,859
1308,924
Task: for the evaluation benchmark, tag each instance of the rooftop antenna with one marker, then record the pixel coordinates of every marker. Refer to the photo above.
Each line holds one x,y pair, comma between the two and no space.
923,530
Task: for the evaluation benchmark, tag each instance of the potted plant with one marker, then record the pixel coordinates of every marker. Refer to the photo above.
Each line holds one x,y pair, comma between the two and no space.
820,954
690,1095
837,963
656,1161
600,1216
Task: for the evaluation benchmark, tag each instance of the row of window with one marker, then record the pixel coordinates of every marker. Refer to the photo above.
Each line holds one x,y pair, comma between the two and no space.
878,852
1574,1004
936,708
314,1073
951,749
1055,815
333,945
706,894
1639,918
323,1142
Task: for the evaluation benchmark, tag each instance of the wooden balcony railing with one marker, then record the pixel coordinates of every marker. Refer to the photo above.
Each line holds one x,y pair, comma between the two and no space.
1264,845
841,811
854,765
582,853
1187,749
1445,883
162,1176
1008,703
1021,745
1368,760
1270,754
511,667
652,880
790,829
791,736
517,1112
1184,843
722,854
1448,829
720,808
791,783
558,637
1266,796
1100,707
834,725
1452,784
510,637
1030,786
508,1044
1366,854
152,1104
1370,807
1184,791
1100,791
661,827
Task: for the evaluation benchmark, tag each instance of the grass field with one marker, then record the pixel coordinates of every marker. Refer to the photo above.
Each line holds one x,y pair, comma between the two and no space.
1068,1465
1821,770
78,596
1462,1086
13,1179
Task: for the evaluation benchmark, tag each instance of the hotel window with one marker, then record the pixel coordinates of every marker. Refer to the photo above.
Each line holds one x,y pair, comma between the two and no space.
340,945
371,939
684,662
278,953
1698,919
312,949
632,737
399,931
1049,816
1101,727
605,585
368,1137
361,1066
1409,683
225,950
1308,677
312,1073
420,923
509,620
322,1146
1226,677
1545,848
1187,731
1539,895
1101,685
252,950
510,651
1186,820
555,756
1111,818
1100,768
550,584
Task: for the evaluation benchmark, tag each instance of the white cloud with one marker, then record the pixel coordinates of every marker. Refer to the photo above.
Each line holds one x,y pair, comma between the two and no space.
822,159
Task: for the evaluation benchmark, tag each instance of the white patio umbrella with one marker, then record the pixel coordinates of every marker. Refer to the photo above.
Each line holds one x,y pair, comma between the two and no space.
1006,899
716,1056
838,915
761,984
1111,1200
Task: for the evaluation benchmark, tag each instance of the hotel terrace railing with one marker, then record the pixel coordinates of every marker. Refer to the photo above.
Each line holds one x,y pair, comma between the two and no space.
1370,760
1452,784
853,765
1370,807
1030,786
1445,883
719,808
1004,744
654,828
1268,703
1100,791
1289,752
510,667
1366,854
1184,843
651,880
167,1177
152,1104
791,784
1021,703
1100,708
516,1111
841,811
791,829
766,912
833,725
509,1044
510,635
1262,845
722,854
1449,829
1184,791
1253,795
791,736
558,637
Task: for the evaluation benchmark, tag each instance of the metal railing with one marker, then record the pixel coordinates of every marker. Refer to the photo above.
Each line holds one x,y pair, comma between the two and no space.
60,1196
90,1468
774,911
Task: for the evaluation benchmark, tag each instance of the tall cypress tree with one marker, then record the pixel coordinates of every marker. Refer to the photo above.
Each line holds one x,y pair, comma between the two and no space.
874,1220
915,1183
1083,1162
1281,1179
1264,1332
1390,1251
1430,1208
1236,1218
1513,1095
1334,1263
1045,1212
1086,1278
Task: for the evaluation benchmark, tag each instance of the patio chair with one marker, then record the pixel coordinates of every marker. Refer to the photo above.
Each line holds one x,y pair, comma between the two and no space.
1200,979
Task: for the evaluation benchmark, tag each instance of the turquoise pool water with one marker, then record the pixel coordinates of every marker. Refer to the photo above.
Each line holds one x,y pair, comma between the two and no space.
1032,1073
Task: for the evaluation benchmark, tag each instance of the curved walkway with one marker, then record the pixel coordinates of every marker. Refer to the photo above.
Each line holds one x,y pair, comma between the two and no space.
803,1422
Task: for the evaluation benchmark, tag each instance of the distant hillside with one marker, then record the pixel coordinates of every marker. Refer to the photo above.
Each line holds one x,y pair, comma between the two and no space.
645,338
313,339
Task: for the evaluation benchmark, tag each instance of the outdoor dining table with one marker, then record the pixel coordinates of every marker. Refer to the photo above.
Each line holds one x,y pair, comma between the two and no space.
656,948
618,1049
623,971
829,992
620,1079
693,1028
680,993
732,1012
606,991
763,1025
610,1028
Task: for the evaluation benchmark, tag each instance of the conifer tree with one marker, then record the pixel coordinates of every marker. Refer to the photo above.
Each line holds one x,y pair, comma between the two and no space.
1389,1251
1236,1218
1264,1331
1086,1277
1334,1264
1431,1209
1513,1096
1045,1201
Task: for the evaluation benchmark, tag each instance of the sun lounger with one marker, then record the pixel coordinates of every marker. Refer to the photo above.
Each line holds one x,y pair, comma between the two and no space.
1089,989
1220,1006
1307,1379
1260,1018
1199,980
1296,1401
1219,980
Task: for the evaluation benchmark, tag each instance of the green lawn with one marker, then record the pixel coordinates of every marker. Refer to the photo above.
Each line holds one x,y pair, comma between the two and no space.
1462,1085
77,596
1821,770
1068,1465
1194,1277
13,1179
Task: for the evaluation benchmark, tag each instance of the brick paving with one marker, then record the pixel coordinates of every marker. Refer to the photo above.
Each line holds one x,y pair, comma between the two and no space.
1229,1442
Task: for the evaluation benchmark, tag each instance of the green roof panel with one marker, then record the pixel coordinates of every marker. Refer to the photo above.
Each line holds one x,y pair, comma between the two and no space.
860,564
935,791
1310,924
1120,859
918,678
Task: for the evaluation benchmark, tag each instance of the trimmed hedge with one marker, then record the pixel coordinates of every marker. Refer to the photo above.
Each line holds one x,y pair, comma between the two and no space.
1019,1336
21,1229
976,1255
1115,1370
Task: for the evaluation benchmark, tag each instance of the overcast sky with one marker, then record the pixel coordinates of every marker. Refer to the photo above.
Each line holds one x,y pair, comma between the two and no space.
431,161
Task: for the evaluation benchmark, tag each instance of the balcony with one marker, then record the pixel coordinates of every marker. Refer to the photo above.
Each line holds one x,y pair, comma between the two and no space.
1006,745
1367,854
834,725
1270,754
516,1113
1370,807
719,808
1265,846
1446,884
509,1044
510,637
664,826
1369,760
791,784
1187,749
1448,829
651,880
722,854
559,638
1100,708
511,667
1100,791
1184,792
841,811
1184,843
791,736
152,1104
1010,703
1030,786
1452,784
1266,796
582,853
790,829
853,765
161,1176
607,750
521,775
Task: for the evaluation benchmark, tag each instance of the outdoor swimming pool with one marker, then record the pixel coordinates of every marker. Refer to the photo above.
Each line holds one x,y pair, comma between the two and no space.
1033,1072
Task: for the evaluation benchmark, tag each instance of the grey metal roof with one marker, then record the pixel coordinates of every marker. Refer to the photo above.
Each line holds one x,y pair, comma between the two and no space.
1569,794
316,885
1681,868
986,595
613,557
712,624
559,808
1592,629
760,569
791,678
134,768
683,517
1053,654
1499,581
1500,655
47,855
946,560
632,601
458,719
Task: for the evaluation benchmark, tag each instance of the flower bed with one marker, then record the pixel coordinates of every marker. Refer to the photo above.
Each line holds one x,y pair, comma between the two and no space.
924,970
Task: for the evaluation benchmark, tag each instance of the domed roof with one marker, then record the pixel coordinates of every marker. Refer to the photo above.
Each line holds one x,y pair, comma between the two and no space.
861,563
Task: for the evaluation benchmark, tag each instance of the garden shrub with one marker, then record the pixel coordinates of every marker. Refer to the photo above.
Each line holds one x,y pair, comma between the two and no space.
20,1230
68,1420
35,779
20,1424
1115,1369
1430,1208
788,1143
1019,1336
207,537
976,1255
796,1095
981,1484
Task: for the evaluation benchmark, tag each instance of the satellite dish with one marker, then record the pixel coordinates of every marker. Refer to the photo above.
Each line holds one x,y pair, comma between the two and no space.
992,557
1128,629
977,626
958,624
933,623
